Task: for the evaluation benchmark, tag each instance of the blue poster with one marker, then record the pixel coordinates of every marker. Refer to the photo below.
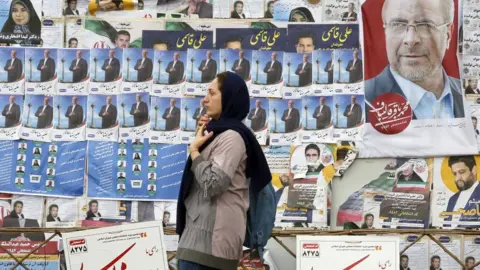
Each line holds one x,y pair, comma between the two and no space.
304,38
177,40
251,39
39,168
135,170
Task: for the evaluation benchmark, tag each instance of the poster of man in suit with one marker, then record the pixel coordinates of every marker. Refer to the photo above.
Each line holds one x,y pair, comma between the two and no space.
171,115
273,69
78,67
323,113
175,69
258,115
192,110
17,219
144,67
353,113
139,111
291,117
108,113
14,65
330,67
355,68
241,66
111,65
199,111
12,110
46,66
304,71
208,68
202,68
348,114
44,114
397,69
75,112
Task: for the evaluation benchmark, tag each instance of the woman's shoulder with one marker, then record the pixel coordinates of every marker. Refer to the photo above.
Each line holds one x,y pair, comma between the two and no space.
231,138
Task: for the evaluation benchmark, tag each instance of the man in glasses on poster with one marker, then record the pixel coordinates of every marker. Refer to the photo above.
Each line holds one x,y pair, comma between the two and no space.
418,34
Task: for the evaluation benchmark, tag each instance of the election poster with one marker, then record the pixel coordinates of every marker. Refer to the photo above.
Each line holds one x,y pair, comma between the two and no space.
104,213
53,32
37,118
193,109
284,121
347,252
138,69
297,75
202,68
11,122
70,114
177,40
165,124
416,256
139,245
73,71
21,27
468,30
45,258
298,11
305,38
438,258
102,120
45,169
28,208
108,33
41,71
12,76
471,251
133,117
456,191
238,62
140,171
257,118
384,193
267,74
273,39
169,69
318,118
61,212
105,71
233,9
340,11
404,101
349,120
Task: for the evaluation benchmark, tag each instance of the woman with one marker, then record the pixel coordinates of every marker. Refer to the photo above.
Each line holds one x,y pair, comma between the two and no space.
137,156
22,19
222,167
301,14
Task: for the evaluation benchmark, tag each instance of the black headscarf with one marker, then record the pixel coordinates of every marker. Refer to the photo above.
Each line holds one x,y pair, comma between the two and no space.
235,107
34,24
302,11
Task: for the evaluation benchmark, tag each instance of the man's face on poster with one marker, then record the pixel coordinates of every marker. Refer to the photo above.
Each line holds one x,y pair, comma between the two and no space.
404,262
305,45
274,56
290,104
73,43
18,208
464,177
353,99
166,216
11,99
474,84
122,41
54,212
258,102
369,221
79,54
284,179
111,53
46,53
408,171
144,53
72,5
234,45
436,263
109,100
241,54
176,56
239,8
46,100
13,54
312,156
209,54
350,7
470,263
160,47
270,7
416,52
94,207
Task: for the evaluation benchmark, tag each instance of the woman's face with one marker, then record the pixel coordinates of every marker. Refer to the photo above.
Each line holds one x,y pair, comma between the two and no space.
297,17
20,14
213,100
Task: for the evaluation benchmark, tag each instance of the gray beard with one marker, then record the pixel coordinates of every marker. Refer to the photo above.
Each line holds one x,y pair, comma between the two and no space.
417,74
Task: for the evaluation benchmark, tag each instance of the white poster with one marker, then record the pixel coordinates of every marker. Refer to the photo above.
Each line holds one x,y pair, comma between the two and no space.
347,252
134,246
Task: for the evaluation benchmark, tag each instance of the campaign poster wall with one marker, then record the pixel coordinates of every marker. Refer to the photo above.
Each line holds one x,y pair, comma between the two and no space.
384,193
298,11
105,70
168,40
46,169
169,69
284,121
139,244
12,76
141,171
61,212
257,118
251,39
441,259
45,258
41,71
202,68
165,124
396,74
102,213
416,256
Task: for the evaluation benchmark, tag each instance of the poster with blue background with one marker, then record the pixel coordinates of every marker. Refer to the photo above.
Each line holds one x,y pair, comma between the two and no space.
160,109
341,102
326,36
127,104
167,40
62,106
319,64
292,61
191,108
46,169
343,58
67,61
252,39
260,60
135,58
35,58
100,59
34,104
230,59
5,62
95,105
11,114
194,75
165,59
140,171
276,110
312,103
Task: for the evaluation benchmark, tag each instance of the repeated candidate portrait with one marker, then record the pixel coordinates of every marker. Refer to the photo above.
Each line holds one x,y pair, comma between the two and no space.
102,111
70,111
105,64
418,37
267,67
170,67
257,118
12,110
239,62
137,64
166,113
284,115
192,110
40,64
13,61
73,65
38,111
300,70
134,112
350,66
348,111
203,65
319,112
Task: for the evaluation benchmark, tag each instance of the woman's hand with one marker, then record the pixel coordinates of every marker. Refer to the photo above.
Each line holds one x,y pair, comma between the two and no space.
199,140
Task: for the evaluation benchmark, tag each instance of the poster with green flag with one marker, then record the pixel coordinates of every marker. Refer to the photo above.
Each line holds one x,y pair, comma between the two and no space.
109,33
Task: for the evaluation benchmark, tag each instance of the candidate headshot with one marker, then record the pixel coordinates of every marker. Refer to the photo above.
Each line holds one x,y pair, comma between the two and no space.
368,222
160,45
472,87
237,12
13,67
464,170
269,11
234,43
470,262
79,68
53,214
93,210
71,9
122,40
22,18
404,262
435,263
144,67
11,112
166,218
350,15
312,155
108,113
241,66
305,43
175,69
73,43
417,34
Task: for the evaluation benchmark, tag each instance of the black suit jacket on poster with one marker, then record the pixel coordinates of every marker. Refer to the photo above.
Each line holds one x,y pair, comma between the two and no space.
174,121
51,219
110,119
304,78
140,117
14,117
352,18
244,71
330,72
356,75
199,113
75,120
81,72
112,73
356,117
259,122
91,216
385,83
210,72
48,72
10,222
275,75
234,15
146,72
324,120
46,119
203,10
291,124
175,76
69,11
469,90
16,72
